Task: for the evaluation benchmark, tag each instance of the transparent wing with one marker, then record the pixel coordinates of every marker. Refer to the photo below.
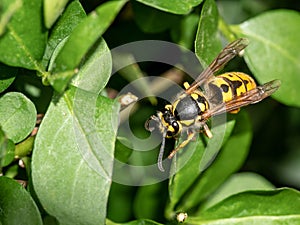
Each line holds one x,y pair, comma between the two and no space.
229,52
250,97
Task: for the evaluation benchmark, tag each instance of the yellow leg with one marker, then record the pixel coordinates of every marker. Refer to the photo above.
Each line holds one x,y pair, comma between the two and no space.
182,144
235,111
207,131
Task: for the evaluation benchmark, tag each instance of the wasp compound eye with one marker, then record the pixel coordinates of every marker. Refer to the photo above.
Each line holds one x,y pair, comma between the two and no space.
175,126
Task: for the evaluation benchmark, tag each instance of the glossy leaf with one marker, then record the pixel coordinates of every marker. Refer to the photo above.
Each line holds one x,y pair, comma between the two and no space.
96,69
12,171
237,183
16,205
7,150
149,199
23,44
136,222
70,18
280,206
62,141
272,55
120,202
194,160
207,44
17,116
78,135
175,6
228,161
122,151
184,32
7,76
8,8
80,41
52,10
153,20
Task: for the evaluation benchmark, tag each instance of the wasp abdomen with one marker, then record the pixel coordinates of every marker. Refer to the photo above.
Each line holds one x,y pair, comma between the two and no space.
227,86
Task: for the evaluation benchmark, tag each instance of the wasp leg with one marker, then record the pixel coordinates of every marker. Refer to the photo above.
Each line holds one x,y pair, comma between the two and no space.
182,144
235,111
207,131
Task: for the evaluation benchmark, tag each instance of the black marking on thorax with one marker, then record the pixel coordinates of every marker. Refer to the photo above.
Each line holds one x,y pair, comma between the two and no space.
186,109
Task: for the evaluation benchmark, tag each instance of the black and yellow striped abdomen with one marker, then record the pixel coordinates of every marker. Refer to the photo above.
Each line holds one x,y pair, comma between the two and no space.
187,109
227,86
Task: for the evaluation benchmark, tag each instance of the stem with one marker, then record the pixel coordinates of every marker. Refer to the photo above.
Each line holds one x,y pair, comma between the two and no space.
225,29
24,148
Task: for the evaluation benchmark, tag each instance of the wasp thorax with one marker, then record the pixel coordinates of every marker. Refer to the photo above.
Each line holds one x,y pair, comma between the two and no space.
188,108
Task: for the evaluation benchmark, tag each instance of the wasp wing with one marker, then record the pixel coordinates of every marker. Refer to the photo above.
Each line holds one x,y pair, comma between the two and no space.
229,52
250,97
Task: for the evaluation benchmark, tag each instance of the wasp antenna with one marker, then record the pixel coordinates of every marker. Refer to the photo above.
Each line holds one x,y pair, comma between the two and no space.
152,127
161,154
147,125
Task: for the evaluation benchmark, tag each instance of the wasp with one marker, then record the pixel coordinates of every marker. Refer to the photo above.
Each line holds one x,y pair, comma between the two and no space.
191,110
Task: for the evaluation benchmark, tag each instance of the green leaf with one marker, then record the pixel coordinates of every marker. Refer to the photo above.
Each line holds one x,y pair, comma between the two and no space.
17,116
96,69
70,18
207,44
228,161
136,222
152,20
52,10
24,42
272,53
238,183
81,143
132,72
49,220
80,41
122,152
7,76
193,160
16,204
7,150
7,9
120,202
280,206
148,199
12,171
95,72
184,31
175,6
78,135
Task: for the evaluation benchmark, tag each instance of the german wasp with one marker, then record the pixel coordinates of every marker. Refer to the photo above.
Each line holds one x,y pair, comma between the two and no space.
192,109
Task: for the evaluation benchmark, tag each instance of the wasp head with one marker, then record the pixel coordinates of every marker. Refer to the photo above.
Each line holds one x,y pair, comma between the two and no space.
168,126
165,122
